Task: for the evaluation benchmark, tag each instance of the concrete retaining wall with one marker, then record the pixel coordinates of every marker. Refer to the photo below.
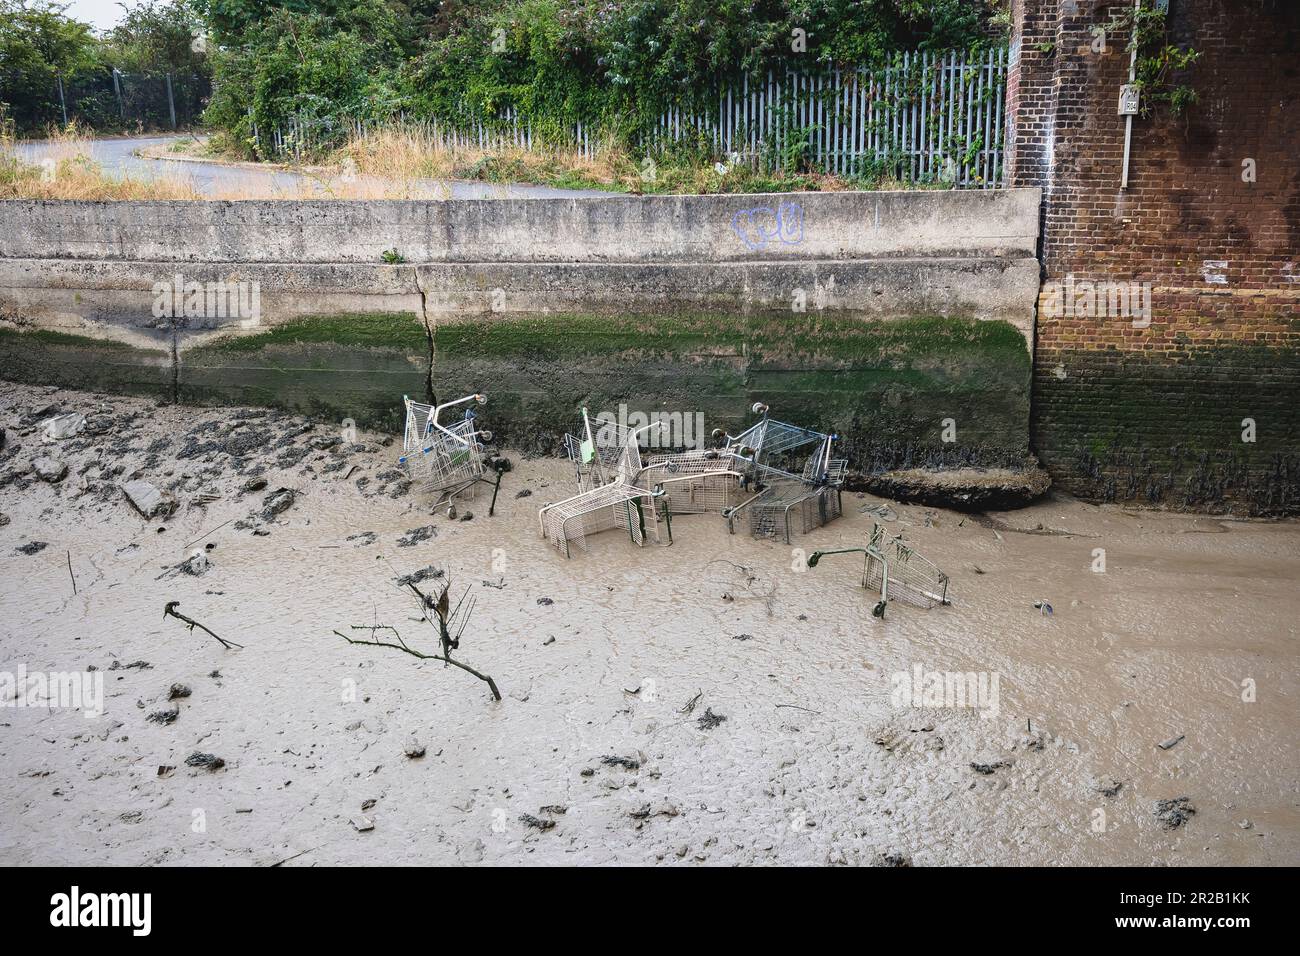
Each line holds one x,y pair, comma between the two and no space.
878,315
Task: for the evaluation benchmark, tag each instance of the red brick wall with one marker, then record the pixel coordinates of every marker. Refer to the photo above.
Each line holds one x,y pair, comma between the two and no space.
1153,410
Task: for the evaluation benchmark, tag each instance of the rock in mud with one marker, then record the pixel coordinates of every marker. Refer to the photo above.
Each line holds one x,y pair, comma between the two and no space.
148,500
1173,813
414,749
4,520
278,502
961,489
528,820
49,469
1107,787
254,484
165,716
177,691
32,547
207,761
416,536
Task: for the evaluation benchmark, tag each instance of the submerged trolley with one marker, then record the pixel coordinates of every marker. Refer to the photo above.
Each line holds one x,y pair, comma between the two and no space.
896,570
780,475
446,460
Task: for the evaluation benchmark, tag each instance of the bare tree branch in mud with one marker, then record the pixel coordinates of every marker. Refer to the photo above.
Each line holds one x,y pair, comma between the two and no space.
450,622
170,611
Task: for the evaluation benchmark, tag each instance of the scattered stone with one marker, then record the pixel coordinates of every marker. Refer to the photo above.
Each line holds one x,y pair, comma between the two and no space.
367,805
417,536
467,516
892,859
1173,813
195,565
49,469
414,749
554,809
362,824
524,493
549,641
587,772
709,720
32,547
424,574
627,763
4,519
278,502
148,500
325,442
988,768
165,770
545,601
1107,787
1171,742
206,761
742,637
528,820
364,539
165,716
177,691
254,484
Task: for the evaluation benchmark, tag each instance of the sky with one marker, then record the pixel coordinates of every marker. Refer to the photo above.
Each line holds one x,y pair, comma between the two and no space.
100,14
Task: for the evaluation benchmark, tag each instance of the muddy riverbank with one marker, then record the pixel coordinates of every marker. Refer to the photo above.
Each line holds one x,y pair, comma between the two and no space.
711,701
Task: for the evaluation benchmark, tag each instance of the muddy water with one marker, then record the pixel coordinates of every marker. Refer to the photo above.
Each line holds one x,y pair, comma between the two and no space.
814,762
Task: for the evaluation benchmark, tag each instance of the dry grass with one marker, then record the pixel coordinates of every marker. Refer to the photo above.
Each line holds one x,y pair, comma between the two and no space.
71,172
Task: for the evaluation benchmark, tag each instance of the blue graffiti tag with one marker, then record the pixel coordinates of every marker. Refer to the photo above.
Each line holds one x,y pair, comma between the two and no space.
758,227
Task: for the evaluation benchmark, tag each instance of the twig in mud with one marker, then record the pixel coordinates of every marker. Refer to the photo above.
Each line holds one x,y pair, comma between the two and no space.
690,704
71,575
445,618
401,646
808,710
170,611
202,536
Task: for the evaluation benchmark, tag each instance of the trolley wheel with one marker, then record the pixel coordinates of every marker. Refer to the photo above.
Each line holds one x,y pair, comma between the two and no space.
878,610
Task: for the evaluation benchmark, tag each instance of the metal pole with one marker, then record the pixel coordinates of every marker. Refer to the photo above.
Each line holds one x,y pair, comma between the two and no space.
62,104
171,102
1132,75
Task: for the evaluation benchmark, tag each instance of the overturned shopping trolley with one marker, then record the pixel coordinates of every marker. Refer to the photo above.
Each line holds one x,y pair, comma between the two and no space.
896,571
446,460
780,475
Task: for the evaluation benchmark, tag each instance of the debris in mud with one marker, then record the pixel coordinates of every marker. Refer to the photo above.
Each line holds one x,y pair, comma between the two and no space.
165,770
524,493
424,574
961,489
364,539
467,516
417,536
742,637
498,584
49,469
1044,608
170,611
1171,742
627,763
148,500
1173,813
362,824
134,665
989,767
209,762
278,502
528,820
32,547
689,706
891,860
4,519
178,691
254,484
166,716
64,426
545,601
194,565
709,720
554,809
414,749
646,811
1107,787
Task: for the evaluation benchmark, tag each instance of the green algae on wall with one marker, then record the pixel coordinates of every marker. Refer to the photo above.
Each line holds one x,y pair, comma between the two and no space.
50,357
886,387
333,367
